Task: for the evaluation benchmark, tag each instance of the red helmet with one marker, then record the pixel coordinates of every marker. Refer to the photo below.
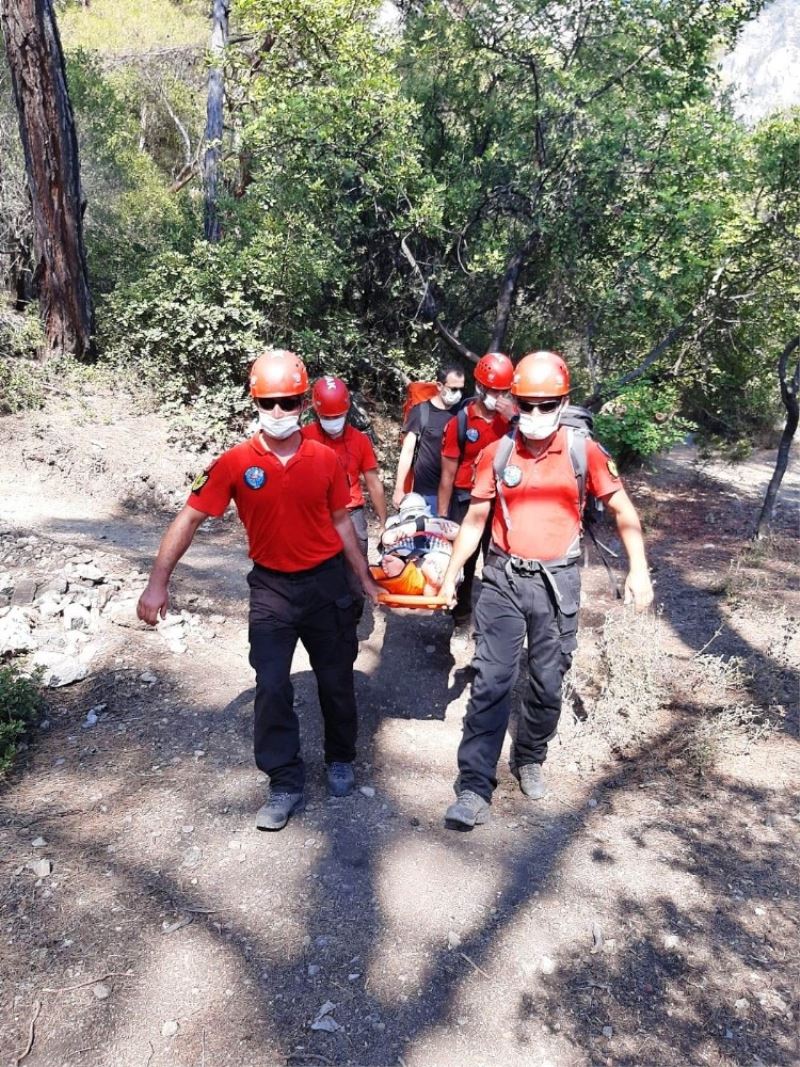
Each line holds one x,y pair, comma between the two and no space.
278,372
494,371
330,397
541,374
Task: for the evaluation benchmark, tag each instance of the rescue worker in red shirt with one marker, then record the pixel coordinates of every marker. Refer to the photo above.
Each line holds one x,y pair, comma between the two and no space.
531,584
291,495
483,420
330,399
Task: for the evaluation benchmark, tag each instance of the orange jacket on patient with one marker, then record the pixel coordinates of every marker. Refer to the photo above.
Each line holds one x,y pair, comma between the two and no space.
416,550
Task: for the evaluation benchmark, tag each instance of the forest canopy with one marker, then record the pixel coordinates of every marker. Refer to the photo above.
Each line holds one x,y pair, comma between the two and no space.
402,184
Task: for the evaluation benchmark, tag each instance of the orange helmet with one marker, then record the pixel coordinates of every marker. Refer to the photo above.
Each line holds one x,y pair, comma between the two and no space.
494,371
278,372
330,397
541,374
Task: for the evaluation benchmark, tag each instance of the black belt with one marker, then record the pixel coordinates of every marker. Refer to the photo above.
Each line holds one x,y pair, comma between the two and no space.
298,575
526,568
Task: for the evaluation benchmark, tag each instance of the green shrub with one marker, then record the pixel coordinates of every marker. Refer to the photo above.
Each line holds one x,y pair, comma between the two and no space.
642,421
21,385
20,702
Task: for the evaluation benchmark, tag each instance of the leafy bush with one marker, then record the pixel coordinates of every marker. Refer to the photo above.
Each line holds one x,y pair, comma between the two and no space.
20,701
21,385
642,421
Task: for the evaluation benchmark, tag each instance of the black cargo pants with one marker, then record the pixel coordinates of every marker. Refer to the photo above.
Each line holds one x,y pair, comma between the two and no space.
317,607
511,608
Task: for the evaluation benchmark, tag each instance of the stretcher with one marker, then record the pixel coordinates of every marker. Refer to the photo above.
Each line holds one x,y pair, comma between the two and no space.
419,603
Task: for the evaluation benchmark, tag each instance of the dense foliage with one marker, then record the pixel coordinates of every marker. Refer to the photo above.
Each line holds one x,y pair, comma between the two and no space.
20,702
520,174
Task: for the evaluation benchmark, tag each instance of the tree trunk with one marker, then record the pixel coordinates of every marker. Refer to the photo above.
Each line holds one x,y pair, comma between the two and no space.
789,391
213,154
47,129
508,288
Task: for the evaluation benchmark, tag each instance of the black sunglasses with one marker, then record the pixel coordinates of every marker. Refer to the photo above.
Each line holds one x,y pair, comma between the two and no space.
285,403
544,406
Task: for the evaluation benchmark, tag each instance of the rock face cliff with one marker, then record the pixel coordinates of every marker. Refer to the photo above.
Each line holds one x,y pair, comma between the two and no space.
763,67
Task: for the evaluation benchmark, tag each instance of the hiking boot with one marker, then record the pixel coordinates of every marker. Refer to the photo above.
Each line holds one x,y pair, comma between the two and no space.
341,779
466,811
531,780
274,815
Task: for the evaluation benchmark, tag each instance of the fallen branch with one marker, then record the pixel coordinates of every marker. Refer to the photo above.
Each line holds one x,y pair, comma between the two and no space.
37,1007
472,963
90,981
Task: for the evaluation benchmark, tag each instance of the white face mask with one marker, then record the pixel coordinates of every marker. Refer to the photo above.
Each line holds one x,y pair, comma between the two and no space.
489,400
333,427
450,397
538,426
281,427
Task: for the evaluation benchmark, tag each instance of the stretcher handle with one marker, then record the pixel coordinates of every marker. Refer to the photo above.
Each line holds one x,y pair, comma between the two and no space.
406,600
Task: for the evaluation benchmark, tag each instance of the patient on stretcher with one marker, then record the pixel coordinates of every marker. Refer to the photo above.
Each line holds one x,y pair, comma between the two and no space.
415,550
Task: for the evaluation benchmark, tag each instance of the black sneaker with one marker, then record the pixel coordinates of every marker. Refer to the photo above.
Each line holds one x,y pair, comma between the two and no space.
274,815
531,781
466,811
341,779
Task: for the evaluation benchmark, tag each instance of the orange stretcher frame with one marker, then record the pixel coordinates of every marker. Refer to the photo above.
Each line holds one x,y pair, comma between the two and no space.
404,600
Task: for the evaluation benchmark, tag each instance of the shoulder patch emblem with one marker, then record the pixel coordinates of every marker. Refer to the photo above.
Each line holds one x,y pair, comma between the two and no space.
255,477
512,475
612,468
472,434
199,482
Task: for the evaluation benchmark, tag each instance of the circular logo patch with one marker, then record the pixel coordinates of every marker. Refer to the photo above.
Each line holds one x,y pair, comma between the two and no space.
255,477
512,476
473,434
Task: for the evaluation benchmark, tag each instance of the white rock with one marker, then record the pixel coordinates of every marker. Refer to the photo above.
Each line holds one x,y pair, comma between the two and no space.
671,941
15,633
89,572
367,790
169,1028
608,1031
453,939
41,868
742,1005
148,677
547,965
76,617
60,669
38,842
101,990
90,720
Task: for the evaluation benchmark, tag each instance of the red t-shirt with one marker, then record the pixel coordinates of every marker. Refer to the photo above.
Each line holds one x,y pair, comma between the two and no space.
354,451
542,499
480,433
286,510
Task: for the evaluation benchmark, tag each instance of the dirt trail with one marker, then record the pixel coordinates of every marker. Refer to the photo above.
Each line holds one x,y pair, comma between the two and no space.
642,914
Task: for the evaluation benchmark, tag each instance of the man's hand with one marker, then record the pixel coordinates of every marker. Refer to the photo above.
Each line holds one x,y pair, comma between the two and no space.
639,590
153,603
398,495
506,407
371,588
448,593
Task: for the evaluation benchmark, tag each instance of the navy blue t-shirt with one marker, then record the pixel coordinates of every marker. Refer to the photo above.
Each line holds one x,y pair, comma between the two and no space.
428,467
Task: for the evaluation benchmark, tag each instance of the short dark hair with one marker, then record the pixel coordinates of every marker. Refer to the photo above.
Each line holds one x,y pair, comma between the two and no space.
449,368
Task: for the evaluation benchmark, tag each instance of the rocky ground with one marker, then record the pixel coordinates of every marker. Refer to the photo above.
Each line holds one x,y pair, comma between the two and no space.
644,913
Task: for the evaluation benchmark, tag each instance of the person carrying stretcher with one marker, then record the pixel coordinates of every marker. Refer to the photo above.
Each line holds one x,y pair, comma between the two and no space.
415,550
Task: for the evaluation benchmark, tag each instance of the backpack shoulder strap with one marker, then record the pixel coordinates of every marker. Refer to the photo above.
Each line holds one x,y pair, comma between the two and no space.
501,458
461,430
424,414
576,443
